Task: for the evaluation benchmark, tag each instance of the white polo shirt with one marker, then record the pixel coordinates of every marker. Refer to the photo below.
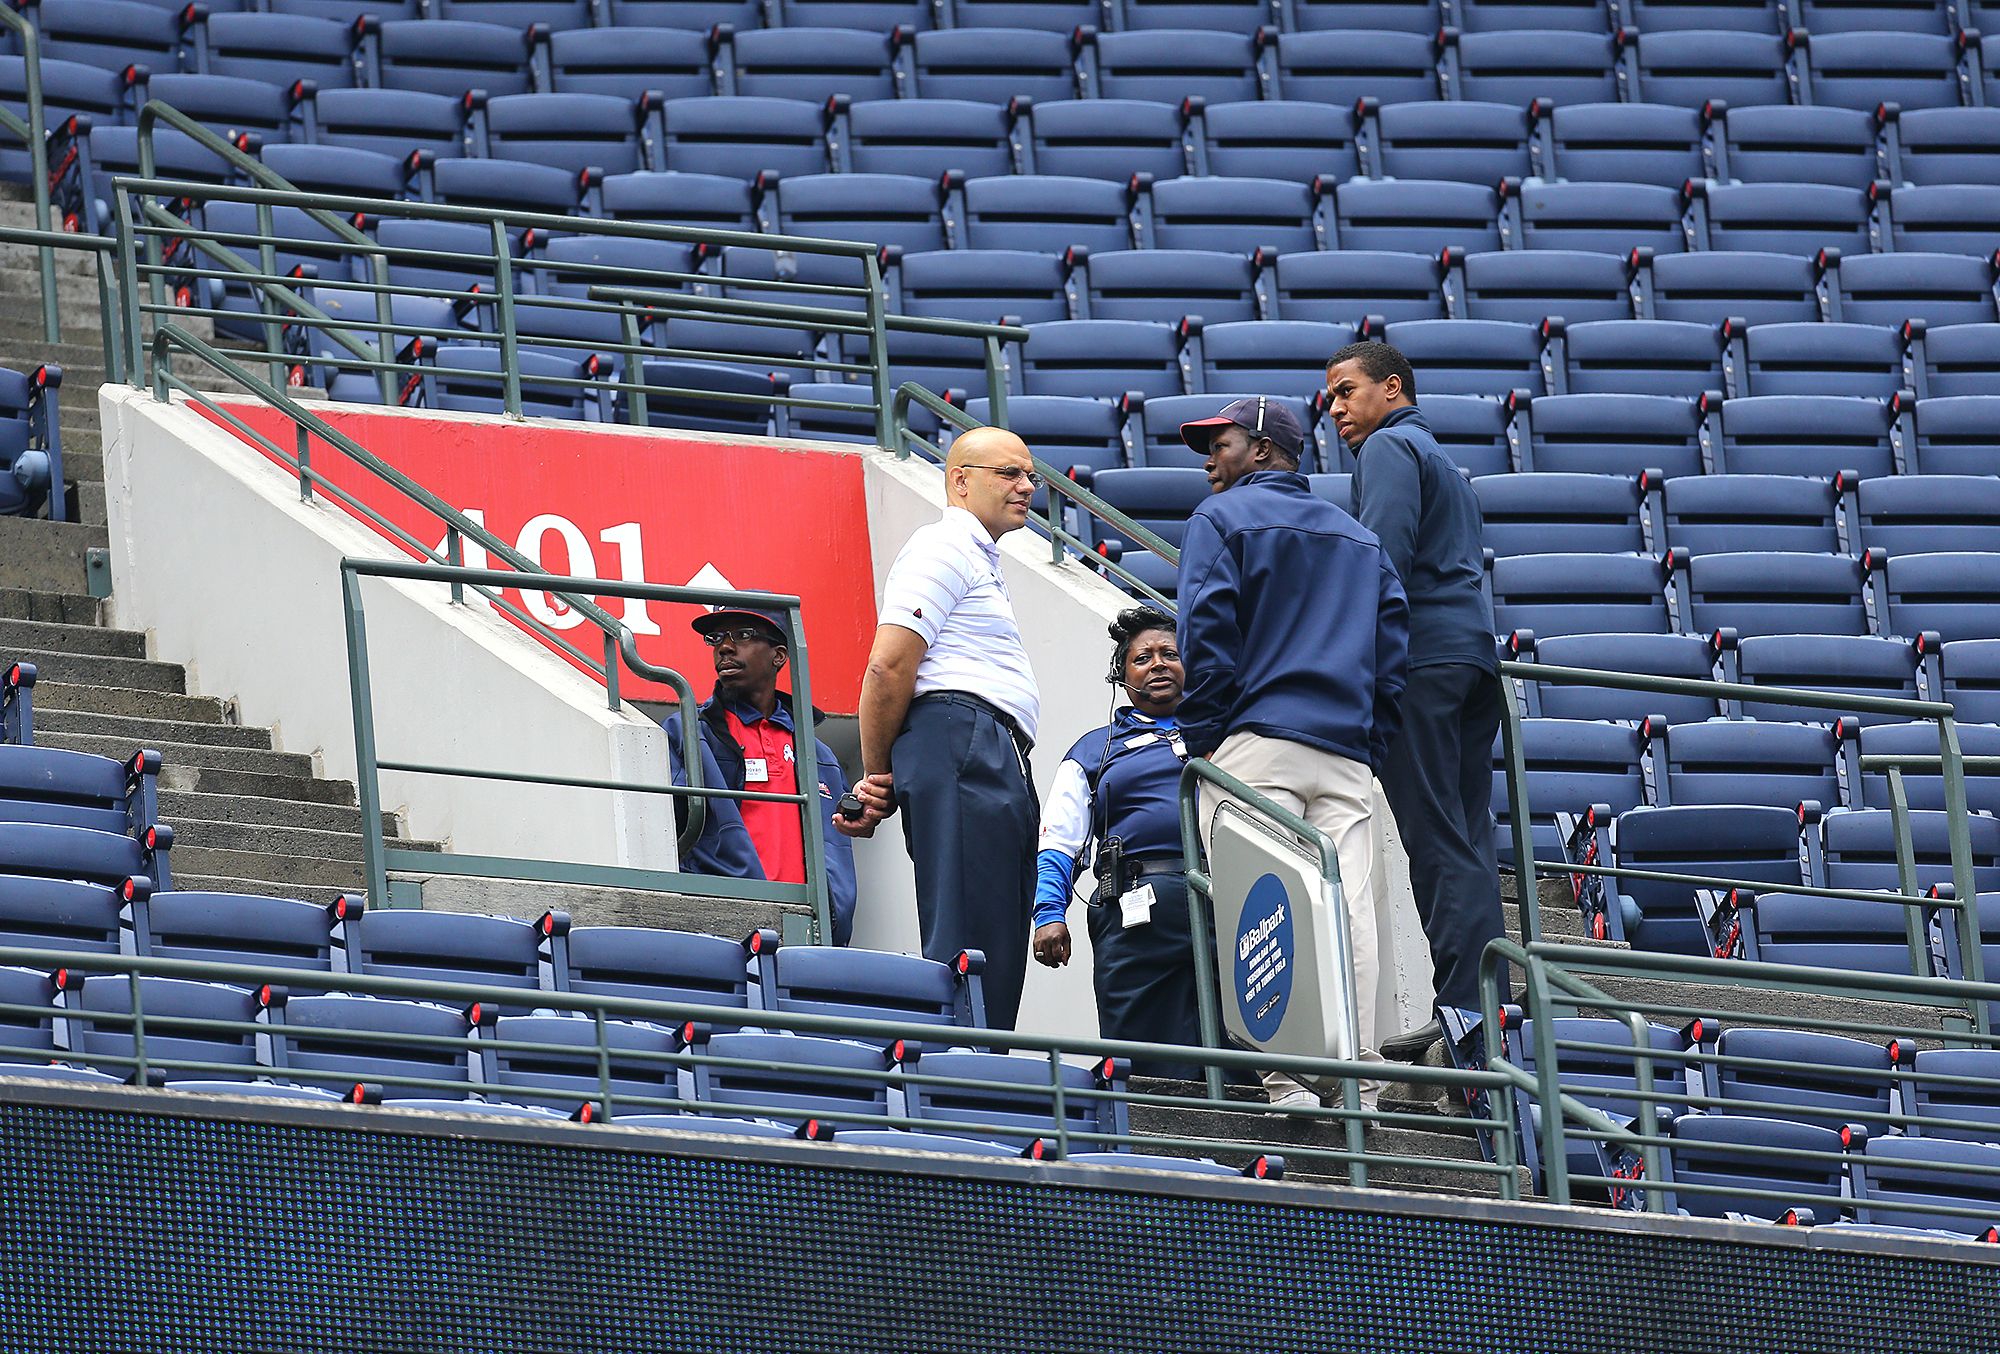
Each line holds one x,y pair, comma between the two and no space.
946,585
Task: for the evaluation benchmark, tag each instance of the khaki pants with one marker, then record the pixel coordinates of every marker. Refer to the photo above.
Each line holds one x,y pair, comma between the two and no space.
1336,795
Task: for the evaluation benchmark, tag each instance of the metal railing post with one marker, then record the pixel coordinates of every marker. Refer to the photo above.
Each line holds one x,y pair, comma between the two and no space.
805,744
37,137
635,376
1652,1167
1201,930
1058,1101
1555,1158
1501,1106
1526,887
267,260
1962,878
996,380
1906,874
128,285
878,353
138,1031
303,452
367,786
510,341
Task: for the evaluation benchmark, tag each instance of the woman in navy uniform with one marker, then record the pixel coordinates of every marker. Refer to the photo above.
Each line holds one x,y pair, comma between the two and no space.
1115,805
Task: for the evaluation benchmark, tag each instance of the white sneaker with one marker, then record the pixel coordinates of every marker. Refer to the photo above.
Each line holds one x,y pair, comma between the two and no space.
1296,1100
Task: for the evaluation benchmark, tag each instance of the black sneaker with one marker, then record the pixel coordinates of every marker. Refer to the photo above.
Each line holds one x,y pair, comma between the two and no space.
1411,1047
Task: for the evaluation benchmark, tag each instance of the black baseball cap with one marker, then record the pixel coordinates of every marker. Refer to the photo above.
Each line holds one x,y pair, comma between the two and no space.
1259,414
728,617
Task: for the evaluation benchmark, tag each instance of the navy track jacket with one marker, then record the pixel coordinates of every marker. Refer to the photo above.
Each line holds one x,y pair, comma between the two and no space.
1293,623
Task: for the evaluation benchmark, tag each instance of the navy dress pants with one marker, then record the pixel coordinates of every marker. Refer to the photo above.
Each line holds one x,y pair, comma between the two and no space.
1439,781
1144,977
971,821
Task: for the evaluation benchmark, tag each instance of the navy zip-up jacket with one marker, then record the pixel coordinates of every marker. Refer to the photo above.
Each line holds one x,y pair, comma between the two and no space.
1425,514
1293,623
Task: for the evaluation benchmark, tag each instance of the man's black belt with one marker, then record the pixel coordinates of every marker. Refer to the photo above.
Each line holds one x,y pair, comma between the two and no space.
1024,743
1135,870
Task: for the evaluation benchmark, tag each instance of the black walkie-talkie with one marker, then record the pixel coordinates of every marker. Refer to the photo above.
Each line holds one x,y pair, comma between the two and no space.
1112,860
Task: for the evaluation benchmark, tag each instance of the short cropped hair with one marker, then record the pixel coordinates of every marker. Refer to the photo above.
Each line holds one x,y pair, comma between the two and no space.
1380,361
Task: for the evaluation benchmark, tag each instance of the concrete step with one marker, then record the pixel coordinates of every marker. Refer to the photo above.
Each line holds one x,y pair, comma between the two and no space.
591,905
139,674
53,608
85,697
42,556
256,810
152,732
71,639
293,870
266,839
1714,1001
204,756
89,504
214,781
269,888
82,467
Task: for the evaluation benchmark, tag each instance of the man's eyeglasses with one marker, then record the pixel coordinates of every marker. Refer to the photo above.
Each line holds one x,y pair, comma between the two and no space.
742,634
1013,474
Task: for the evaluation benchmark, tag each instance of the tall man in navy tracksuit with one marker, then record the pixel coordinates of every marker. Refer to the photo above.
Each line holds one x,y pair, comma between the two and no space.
1439,774
1293,631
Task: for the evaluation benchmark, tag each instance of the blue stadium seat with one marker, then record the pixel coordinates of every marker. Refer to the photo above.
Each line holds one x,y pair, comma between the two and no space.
570,267
1521,65
1956,594
1528,286
1401,16
1222,214
1939,289
1959,359
347,11
230,104
702,1123
984,284
1729,1154
1865,665
1615,434
1233,16
1482,16
27,1033
1859,849
1690,67
1278,355
110,34
1823,359
1764,592
403,238
517,14
1903,1181
1659,16
1820,932
565,1073
1973,679
274,48
1706,514
467,377
317,1045
1862,70
1335,489
445,56
1067,431
1945,218
1571,764
1643,357
1784,218
1958,435
1161,500
1470,357
506,185
994,65
1106,139
1281,139
1091,357
661,965
678,197
449,947
339,170
1911,514
1761,288
1044,16
1523,513
30,441
1745,762
1780,143
1048,213
1736,841
242,928
1346,286
565,131
1415,214
794,1077
878,15
1480,143
1177,63
1153,430
1661,655
1340,66
1955,1084
421,318
877,985
1019,1104
394,122
737,137
1875,16
96,1010
1945,145
79,789
1567,594
814,64
1475,432
64,914
1623,143
69,89
930,137
1169,284
1819,435
1925,789
891,209
629,62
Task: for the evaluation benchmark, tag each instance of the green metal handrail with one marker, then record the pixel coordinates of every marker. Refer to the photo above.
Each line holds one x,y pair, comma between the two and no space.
33,131
102,248
1058,1052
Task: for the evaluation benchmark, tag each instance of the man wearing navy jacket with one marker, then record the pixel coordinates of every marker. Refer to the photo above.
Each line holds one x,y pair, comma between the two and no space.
1294,633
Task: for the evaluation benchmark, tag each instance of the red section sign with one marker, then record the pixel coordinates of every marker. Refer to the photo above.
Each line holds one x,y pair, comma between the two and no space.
595,501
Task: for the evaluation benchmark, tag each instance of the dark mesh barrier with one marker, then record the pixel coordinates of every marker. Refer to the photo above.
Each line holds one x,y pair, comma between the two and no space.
316,1229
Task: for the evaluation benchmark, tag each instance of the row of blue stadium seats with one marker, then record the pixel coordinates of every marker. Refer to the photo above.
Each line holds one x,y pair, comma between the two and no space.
1859,70
1236,16
1894,1125
418,1054
615,126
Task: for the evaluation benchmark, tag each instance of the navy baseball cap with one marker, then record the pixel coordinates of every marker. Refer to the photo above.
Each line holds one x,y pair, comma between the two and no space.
1259,414
728,617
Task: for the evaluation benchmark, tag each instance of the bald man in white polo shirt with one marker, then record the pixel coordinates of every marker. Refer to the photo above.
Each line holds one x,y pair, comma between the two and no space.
948,714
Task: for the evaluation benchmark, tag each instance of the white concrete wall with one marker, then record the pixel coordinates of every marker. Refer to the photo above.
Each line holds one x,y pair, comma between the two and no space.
216,558
1063,611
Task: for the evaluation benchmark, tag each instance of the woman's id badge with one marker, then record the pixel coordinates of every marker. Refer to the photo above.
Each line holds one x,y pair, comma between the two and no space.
1136,906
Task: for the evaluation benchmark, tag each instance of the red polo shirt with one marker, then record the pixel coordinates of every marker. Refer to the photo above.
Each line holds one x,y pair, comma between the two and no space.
774,828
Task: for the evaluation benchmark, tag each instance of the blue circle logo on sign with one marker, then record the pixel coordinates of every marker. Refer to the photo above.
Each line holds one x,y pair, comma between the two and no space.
1264,957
